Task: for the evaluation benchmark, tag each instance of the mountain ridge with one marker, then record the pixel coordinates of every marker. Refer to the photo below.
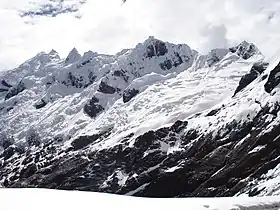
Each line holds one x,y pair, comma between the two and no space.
158,120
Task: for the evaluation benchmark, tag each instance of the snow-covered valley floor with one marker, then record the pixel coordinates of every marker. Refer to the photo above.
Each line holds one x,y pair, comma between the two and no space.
40,199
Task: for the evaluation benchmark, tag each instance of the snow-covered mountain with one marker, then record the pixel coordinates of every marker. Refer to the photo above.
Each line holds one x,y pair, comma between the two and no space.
158,120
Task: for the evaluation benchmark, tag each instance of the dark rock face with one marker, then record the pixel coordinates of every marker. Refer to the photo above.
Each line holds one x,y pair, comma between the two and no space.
84,141
91,77
104,88
40,104
166,65
6,141
213,112
245,50
129,94
178,61
74,81
33,138
6,144
13,91
3,82
121,73
92,108
84,63
255,71
273,79
157,48
3,90
78,81
8,152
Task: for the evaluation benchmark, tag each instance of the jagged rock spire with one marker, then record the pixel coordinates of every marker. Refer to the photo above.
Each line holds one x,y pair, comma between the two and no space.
245,50
73,56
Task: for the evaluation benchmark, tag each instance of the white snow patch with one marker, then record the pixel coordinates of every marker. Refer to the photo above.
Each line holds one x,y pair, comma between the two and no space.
256,149
172,169
122,177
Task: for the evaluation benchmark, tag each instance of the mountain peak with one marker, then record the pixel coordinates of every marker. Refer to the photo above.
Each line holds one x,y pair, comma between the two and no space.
152,47
245,50
73,56
90,54
151,39
54,54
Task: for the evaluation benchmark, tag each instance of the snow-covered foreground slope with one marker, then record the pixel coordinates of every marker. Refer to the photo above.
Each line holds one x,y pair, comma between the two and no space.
33,199
159,120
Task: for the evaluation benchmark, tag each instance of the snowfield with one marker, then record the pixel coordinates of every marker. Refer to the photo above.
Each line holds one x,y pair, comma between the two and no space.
34,199
173,84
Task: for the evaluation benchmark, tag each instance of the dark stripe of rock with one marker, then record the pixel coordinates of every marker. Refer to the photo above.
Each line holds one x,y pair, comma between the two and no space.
157,48
106,89
3,82
255,71
273,79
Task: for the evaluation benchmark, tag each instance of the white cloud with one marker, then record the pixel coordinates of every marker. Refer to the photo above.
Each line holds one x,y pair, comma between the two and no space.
215,36
106,27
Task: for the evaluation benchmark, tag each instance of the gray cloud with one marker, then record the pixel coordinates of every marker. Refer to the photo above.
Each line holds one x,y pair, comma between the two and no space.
52,8
215,37
107,26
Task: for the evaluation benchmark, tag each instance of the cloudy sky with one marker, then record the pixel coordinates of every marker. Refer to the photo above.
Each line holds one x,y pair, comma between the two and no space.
107,26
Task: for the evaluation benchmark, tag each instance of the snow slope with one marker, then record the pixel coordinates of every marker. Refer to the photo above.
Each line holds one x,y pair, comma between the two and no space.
31,199
173,82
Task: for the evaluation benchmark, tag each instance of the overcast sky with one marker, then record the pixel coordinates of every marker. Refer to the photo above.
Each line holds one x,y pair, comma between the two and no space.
107,26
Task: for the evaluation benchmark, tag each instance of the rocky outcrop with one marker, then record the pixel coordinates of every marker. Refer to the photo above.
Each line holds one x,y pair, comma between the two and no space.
105,88
33,138
122,74
245,50
273,79
13,91
3,90
84,141
42,103
166,65
169,63
255,71
74,81
3,82
6,141
129,94
156,48
93,108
